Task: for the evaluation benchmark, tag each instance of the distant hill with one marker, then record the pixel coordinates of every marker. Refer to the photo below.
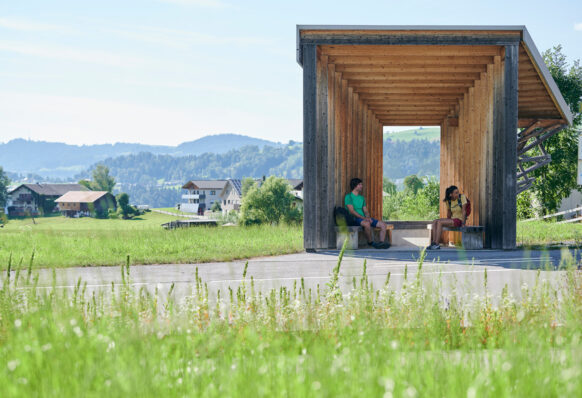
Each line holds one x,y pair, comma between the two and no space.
431,134
59,160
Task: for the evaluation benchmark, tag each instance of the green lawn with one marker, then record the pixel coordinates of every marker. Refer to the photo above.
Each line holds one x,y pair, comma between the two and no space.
543,233
290,342
66,242
427,133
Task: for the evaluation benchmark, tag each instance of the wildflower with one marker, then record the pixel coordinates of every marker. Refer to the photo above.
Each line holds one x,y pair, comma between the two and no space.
394,344
46,347
506,367
73,322
316,385
17,323
472,392
110,346
77,330
13,364
410,392
27,348
22,380
179,381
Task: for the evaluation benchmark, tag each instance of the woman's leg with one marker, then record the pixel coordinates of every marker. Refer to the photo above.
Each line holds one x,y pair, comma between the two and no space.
440,223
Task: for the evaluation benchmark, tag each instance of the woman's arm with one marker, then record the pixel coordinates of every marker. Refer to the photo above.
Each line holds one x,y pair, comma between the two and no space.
464,220
449,213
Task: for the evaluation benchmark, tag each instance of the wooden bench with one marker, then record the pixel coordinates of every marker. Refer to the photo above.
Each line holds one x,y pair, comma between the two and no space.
352,235
471,236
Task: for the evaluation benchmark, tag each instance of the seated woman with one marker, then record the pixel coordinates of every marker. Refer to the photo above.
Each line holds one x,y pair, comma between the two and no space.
456,216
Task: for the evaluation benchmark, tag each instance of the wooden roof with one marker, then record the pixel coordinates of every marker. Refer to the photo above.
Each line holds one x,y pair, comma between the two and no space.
81,196
418,75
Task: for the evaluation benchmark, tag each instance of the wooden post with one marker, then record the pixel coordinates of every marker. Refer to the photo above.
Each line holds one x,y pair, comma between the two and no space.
309,145
502,225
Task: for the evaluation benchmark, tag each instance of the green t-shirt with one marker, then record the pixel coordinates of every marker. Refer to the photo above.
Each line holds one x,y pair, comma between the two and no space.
357,201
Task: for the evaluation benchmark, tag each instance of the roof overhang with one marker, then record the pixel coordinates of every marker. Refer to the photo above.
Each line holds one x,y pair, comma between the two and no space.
539,96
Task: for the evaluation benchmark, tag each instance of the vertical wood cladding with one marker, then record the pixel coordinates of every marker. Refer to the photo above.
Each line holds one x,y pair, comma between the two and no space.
479,155
345,142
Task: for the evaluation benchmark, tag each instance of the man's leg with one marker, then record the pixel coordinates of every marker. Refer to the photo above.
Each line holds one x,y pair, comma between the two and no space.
367,230
382,227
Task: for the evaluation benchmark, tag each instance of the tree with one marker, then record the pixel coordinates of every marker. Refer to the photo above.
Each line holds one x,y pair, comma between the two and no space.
216,206
413,183
4,182
102,181
556,181
269,203
86,183
388,186
123,206
246,185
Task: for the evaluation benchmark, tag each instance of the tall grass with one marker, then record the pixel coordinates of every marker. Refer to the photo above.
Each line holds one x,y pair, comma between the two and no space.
87,242
534,233
369,341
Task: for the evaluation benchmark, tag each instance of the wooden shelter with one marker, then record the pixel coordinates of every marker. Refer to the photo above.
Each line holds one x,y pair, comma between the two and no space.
479,84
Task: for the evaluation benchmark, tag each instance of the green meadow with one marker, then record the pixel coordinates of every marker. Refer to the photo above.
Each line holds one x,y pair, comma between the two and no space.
547,233
426,133
368,342
66,242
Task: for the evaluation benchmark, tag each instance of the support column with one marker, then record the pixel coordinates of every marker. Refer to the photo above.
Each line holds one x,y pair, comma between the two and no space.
502,226
309,145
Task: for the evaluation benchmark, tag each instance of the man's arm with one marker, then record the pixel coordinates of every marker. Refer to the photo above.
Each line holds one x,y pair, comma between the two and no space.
353,212
366,212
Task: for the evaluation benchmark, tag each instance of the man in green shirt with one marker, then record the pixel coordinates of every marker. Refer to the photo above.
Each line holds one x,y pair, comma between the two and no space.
356,205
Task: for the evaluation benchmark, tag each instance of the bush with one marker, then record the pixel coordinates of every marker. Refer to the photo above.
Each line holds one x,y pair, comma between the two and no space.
408,205
270,203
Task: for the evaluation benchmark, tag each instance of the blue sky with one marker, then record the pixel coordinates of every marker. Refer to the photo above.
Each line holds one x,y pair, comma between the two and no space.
168,71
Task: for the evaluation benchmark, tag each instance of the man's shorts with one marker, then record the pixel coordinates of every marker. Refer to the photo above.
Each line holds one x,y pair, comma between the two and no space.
359,221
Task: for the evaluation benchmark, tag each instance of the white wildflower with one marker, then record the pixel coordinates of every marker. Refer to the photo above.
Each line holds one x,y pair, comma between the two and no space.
316,385
472,392
27,348
13,364
46,347
110,346
77,330
394,344
17,323
410,392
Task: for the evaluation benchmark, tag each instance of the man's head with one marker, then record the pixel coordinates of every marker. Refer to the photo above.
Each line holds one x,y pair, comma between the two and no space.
354,183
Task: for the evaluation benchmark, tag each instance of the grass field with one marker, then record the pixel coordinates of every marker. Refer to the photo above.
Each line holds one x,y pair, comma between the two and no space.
543,233
427,133
415,342
65,242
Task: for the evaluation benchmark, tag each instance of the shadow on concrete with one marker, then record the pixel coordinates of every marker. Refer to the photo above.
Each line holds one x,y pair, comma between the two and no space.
547,260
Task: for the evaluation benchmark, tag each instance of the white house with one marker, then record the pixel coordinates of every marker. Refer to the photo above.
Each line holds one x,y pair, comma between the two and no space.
201,195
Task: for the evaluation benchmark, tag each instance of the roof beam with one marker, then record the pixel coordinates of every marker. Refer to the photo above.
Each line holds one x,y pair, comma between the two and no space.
393,60
407,50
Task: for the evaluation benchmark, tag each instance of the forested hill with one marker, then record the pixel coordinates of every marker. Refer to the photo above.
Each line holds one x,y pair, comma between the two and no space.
148,177
54,159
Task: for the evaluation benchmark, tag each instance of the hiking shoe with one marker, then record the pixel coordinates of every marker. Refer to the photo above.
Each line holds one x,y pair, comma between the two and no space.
433,246
377,245
385,245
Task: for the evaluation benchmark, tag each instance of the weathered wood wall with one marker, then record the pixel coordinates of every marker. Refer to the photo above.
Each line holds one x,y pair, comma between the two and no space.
477,148
342,140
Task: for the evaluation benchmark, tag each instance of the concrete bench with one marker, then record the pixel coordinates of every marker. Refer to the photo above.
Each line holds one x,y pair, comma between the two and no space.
471,236
352,235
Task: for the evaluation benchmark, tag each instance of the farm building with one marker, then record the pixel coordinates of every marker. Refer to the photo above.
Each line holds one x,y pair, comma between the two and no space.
486,87
37,199
86,203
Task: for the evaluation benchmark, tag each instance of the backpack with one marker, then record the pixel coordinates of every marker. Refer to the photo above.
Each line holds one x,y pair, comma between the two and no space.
467,208
343,217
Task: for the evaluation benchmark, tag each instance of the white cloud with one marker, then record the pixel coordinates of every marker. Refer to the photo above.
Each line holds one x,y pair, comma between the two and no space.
78,120
198,3
578,26
71,54
27,25
183,38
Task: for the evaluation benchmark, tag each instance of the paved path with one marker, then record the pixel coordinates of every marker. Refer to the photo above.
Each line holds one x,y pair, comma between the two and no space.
463,270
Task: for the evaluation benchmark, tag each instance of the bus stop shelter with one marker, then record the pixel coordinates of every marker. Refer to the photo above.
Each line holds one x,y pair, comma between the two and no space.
487,87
